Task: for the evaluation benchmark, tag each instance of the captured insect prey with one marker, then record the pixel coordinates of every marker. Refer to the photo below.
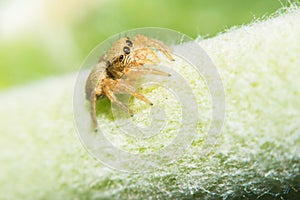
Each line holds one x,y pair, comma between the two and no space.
124,57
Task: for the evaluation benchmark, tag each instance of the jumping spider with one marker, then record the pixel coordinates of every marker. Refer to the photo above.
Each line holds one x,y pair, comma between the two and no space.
125,58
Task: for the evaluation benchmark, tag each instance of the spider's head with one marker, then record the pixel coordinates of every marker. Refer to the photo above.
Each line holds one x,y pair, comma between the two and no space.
120,51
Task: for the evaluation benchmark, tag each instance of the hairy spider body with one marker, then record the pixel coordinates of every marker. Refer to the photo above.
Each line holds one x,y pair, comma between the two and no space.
123,61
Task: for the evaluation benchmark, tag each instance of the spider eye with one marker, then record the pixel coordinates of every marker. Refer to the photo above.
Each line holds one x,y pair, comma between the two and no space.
121,57
126,50
107,63
129,43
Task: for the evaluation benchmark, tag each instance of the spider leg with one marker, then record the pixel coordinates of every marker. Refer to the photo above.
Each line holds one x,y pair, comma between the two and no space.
153,54
93,100
123,87
146,51
110,95
143,71
145,41
140,57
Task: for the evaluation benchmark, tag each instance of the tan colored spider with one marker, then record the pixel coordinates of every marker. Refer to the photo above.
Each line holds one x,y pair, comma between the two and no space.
126,58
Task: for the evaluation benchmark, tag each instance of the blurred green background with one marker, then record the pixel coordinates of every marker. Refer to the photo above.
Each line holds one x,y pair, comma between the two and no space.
40,38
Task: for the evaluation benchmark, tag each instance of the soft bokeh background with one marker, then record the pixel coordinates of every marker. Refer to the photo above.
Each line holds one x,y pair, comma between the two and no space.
40,38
